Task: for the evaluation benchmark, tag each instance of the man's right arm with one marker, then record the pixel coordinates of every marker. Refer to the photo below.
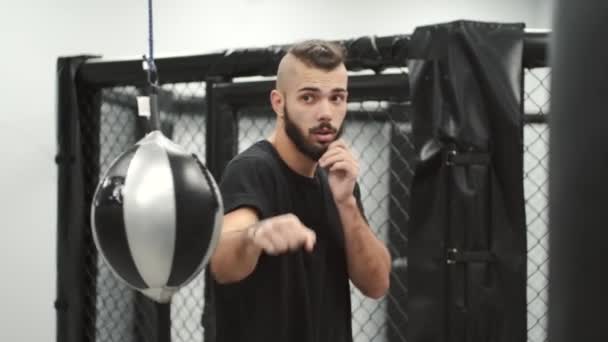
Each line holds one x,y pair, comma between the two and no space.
236,256
244,237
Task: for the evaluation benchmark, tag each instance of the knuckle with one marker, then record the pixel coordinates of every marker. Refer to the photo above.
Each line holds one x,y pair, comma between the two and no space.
303,230
287,219
264,226
261,231
303,236
293,220
266,234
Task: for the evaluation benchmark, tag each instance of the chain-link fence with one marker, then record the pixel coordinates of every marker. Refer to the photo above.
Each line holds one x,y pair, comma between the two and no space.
536,144
116,312
380,135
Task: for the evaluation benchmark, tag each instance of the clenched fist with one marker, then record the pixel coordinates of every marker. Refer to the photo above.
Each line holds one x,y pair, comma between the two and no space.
343,170
281,234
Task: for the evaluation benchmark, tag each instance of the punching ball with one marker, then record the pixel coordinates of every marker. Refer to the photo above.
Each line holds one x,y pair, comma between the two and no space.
157,212
156,216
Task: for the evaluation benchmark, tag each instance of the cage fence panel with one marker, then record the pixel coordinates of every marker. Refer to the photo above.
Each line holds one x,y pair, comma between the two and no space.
113,308
254,123
536,140
368,141
115,312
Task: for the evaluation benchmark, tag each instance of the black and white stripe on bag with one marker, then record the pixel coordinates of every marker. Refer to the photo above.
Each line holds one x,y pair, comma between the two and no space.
156,216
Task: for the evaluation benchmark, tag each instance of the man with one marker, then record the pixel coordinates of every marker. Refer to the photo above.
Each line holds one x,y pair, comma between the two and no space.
294,231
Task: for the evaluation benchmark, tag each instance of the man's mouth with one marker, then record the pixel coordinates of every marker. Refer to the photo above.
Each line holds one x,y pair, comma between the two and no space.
324,136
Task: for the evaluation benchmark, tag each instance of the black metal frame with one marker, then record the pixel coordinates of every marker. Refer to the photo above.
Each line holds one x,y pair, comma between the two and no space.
373,53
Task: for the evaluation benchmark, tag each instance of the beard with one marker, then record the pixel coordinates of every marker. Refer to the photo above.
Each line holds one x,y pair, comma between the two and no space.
299,138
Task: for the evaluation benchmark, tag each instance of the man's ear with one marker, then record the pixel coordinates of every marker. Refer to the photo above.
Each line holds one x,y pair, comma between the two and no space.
277,102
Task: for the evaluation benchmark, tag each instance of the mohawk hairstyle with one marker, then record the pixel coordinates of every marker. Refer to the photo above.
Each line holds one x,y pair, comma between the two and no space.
319,53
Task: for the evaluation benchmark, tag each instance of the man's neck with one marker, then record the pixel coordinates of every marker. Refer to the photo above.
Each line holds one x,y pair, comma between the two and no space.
290,154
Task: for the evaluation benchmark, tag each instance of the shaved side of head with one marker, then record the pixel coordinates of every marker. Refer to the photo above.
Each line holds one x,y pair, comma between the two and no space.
286,71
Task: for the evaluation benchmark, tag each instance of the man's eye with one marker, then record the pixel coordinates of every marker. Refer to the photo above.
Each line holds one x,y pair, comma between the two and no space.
337,98
307,98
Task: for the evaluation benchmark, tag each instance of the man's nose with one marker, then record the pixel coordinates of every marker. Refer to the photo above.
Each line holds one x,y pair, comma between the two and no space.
325,111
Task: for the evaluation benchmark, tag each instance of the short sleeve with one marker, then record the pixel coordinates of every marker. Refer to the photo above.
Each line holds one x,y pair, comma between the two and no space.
248,182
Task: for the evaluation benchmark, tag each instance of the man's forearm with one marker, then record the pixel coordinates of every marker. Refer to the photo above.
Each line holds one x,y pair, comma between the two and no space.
235,257
369,263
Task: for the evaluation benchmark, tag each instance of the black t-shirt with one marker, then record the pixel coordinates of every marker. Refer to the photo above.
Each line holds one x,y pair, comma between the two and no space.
295,297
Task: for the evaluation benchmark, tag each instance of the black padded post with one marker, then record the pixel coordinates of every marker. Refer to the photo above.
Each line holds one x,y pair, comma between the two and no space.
578,173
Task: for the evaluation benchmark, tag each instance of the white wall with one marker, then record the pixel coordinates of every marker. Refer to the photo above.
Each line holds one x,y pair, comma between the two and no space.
34,33
545,13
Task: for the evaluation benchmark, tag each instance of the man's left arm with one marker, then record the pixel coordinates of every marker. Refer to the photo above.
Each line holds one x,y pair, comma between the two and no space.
369,262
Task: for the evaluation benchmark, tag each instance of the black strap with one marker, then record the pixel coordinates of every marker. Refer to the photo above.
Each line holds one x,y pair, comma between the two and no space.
453,157
454,255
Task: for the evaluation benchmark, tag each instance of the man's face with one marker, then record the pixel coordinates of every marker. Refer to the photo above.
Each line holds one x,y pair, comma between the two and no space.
304,139
315,108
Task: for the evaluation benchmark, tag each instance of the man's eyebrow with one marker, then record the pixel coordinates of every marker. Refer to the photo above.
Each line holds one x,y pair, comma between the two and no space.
313,89
317,90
